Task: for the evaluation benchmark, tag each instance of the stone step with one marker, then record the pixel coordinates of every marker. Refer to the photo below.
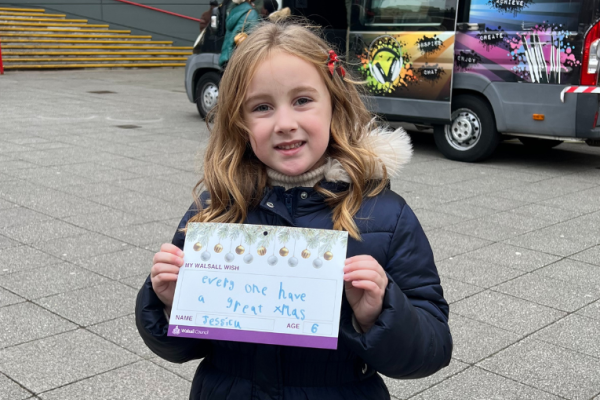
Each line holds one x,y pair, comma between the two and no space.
60,30
51,24
81,66
29,36
37,10
6,18
57,42
41,54
90,60
82,47
27,14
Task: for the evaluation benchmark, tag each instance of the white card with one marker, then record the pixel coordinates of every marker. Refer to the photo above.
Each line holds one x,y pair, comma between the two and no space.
260,284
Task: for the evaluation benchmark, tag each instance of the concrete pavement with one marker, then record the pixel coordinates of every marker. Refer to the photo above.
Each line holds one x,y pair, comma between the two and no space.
92,183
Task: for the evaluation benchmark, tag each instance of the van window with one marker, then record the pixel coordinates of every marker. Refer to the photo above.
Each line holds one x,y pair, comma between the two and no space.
424,15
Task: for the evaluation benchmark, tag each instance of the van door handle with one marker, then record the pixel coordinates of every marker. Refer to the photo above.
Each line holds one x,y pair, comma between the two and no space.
468,26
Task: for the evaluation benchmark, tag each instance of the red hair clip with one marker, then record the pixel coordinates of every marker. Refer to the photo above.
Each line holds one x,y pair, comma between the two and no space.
333,64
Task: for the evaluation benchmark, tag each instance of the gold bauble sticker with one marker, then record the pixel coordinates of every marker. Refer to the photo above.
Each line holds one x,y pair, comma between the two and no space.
305,253
218,248
261,251
197,246
284,251
328,255
240,249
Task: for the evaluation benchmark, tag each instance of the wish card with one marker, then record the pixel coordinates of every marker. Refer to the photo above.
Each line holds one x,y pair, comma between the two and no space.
260,284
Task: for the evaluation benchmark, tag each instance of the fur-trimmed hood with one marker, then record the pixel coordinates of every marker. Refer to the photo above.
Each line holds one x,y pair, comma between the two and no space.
393,149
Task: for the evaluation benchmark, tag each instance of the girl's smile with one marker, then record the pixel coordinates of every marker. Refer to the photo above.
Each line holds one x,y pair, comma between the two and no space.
288,110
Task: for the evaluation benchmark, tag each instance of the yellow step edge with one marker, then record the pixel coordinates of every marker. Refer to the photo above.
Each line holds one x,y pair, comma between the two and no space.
50,24
91,53
61,30
79,21
32,14
40,10
116,41
17,60
16,46
66,66
53,35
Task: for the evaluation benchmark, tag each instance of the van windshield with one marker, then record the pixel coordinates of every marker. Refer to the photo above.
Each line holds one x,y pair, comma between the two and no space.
427,14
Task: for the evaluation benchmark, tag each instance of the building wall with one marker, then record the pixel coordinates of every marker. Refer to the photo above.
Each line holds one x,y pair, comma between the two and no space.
140,21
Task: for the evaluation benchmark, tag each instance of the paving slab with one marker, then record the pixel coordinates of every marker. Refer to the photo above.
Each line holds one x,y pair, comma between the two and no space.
141,380
549,368
10,390
476,271
447,244
136,281
549,241
144,234
455,290
118,265
122,331
42,231
507,312
61,359
474,340
186,370
590,256
591,310
475,383
406,388
93,304
7,298
86,245
513,256
24,322
573,271
573,332
22,258
48,281
553,293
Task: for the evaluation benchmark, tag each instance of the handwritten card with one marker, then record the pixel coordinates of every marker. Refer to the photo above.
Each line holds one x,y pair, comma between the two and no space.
260,284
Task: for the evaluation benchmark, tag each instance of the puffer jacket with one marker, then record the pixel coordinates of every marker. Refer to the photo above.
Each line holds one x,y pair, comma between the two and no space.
411,338
233,26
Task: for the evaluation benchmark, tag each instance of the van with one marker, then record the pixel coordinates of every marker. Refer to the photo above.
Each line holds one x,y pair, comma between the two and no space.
476,71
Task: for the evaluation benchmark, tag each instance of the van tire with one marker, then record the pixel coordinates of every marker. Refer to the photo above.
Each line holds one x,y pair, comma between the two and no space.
539,144
207,92
472,135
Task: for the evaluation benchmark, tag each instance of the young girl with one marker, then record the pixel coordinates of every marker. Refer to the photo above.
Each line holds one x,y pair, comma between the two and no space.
292,145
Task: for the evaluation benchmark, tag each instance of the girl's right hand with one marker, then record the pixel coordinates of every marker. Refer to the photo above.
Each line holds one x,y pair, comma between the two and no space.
165,271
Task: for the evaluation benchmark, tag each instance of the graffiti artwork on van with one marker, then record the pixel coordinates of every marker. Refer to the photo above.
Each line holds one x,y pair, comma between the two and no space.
429,45
431,73
466,59
408,65
385,66
543,53
493,38
510,6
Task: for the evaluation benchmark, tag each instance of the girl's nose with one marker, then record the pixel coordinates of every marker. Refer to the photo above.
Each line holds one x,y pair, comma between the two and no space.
285,121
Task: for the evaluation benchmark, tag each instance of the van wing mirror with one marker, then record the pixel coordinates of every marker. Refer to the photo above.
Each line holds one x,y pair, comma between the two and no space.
214,18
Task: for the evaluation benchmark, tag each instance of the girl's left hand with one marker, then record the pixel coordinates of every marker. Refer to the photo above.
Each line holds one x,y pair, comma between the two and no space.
365,283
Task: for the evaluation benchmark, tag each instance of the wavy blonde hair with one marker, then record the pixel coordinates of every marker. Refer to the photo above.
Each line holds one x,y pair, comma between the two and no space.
235,178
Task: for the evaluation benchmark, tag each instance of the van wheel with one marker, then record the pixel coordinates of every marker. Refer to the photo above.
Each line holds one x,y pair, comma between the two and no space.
539,144
472,134
207,92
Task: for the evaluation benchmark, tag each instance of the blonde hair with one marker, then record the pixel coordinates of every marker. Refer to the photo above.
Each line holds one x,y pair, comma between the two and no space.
235,178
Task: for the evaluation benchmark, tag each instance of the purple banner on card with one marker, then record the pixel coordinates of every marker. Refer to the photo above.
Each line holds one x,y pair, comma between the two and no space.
282,339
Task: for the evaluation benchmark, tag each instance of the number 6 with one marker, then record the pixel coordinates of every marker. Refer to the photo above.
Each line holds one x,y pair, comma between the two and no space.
314,328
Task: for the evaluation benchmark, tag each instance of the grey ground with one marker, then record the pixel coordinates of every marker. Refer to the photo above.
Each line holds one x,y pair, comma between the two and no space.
84,204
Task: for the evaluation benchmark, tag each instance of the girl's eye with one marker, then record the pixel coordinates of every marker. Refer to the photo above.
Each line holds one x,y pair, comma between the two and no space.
261,108
303,100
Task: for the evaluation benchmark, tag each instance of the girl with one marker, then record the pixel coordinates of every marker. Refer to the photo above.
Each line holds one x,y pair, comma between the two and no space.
292,145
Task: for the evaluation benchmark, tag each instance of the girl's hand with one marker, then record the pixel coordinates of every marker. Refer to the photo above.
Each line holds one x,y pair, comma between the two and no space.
165,271
365,283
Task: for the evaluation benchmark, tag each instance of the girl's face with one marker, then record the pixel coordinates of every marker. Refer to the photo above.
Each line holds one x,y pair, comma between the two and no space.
288,111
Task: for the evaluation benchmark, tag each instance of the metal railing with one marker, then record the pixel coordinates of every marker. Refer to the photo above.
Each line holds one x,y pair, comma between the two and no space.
158,9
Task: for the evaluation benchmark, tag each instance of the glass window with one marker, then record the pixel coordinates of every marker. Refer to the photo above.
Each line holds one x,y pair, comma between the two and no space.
408,14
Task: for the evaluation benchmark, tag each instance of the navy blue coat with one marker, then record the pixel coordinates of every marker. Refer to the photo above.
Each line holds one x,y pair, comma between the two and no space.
411,338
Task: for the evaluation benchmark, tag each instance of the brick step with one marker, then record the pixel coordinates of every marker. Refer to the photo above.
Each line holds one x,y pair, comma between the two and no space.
74,35
90,60
61,30
82,66
21,24
153,53
38,10
28,14
81,47
57,42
